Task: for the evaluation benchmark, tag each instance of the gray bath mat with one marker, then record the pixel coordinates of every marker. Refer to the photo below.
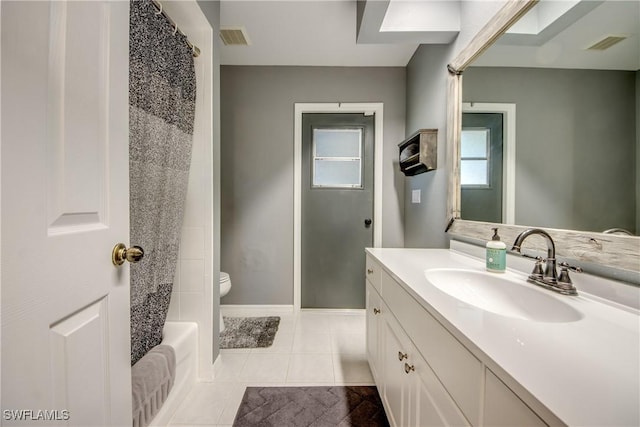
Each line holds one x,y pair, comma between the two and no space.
311,406
249,332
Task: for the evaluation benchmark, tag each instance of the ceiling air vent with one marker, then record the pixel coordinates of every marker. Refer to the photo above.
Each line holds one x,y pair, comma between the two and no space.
606,42
234,36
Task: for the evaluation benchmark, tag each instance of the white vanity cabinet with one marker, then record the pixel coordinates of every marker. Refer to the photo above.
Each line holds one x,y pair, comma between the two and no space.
410,390
424,375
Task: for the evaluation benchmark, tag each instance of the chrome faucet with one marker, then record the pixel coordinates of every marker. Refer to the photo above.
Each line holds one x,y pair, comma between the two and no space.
549,278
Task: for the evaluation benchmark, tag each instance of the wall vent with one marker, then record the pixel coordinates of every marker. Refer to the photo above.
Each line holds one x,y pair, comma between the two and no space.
234,36
606,42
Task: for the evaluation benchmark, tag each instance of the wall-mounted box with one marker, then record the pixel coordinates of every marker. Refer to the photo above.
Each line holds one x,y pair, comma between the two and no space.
419,152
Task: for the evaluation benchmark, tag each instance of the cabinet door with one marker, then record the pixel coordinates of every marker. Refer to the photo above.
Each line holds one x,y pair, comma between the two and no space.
429,403
502,407
457,368
374,314
396,386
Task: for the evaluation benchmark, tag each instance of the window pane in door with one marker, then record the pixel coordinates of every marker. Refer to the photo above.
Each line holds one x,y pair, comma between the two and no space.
337,157
475,143
337,173
337,142
474,157
474,172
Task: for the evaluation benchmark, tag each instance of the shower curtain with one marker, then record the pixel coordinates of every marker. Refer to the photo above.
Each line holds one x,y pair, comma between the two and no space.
162,91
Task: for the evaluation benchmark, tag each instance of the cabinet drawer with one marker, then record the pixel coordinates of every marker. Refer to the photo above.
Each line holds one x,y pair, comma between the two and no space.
458,370
373,271
502,407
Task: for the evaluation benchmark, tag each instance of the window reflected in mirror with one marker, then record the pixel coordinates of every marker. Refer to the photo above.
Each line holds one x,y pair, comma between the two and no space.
474,158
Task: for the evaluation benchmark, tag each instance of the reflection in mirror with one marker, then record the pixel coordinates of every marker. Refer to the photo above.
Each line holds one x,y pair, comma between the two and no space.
571,162
481,171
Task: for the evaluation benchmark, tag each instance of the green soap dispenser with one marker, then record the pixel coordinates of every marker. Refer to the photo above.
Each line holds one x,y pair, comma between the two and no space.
496,254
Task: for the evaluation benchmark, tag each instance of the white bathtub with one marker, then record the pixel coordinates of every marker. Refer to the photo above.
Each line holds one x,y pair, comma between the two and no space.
183,337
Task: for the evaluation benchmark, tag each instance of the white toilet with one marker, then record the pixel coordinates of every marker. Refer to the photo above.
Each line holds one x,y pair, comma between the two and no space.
225,286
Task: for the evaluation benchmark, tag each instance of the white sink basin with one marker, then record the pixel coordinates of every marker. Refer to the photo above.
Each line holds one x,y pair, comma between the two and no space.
502,294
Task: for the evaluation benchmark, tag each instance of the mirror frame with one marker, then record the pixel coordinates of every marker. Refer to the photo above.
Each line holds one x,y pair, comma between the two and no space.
614,251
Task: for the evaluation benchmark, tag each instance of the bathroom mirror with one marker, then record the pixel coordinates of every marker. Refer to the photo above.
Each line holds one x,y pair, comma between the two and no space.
567,113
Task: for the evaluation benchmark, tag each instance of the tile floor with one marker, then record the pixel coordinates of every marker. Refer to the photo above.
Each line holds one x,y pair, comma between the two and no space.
310,348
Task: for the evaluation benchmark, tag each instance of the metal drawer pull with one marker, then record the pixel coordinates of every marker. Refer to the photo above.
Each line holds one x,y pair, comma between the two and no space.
369,270
376,310
408,368
402,356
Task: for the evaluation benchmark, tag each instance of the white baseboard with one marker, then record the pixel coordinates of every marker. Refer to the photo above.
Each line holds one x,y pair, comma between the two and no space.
334,310
265,307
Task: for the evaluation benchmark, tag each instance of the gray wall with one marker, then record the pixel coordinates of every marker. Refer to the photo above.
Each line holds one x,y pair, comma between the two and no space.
575,143
426,108
257,166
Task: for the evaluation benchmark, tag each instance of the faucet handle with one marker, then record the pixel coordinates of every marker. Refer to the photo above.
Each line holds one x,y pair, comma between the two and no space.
537,272
564,281
564,278
566,266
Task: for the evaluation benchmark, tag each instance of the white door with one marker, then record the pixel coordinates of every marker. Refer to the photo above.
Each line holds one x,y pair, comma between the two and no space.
65,306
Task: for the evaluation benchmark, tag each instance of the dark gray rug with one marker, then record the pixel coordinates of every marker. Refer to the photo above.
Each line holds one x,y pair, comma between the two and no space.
249,332
331,406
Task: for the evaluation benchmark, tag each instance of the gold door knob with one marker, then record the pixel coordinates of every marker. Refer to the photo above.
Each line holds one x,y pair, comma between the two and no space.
121,254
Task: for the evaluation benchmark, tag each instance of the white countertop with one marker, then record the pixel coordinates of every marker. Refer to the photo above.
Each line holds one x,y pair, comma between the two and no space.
586,372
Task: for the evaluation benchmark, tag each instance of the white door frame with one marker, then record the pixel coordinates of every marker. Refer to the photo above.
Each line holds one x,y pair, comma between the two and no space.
508,112
375,108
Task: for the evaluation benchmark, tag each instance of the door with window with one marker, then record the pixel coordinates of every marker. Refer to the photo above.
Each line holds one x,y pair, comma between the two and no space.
481,167
337,208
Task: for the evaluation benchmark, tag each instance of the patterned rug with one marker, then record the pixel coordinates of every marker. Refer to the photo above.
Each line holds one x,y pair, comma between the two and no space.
249,332
357,406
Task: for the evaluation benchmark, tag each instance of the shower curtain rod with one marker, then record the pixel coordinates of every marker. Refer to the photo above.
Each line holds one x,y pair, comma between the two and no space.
194,48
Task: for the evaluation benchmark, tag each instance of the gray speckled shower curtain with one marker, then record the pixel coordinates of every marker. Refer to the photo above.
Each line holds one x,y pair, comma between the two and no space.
162,91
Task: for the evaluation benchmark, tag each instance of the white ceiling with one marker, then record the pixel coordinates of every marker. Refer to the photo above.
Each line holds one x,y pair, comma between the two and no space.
563,43
304,32
325,33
